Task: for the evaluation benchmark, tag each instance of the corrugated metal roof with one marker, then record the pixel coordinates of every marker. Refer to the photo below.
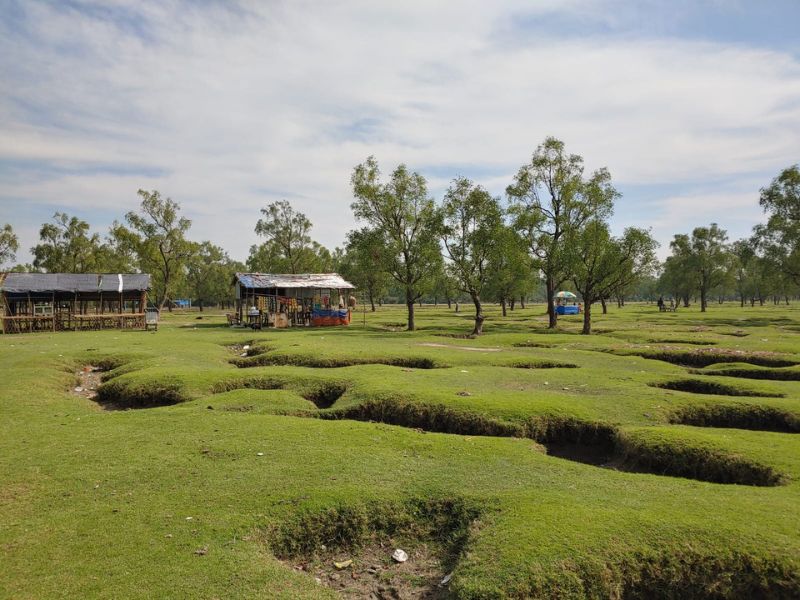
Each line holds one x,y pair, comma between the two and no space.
73,282
301,280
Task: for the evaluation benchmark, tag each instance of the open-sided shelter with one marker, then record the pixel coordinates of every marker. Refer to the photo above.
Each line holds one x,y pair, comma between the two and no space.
307,299
71,301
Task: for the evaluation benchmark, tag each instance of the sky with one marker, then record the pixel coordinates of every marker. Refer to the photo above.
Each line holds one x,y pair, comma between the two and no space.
693,105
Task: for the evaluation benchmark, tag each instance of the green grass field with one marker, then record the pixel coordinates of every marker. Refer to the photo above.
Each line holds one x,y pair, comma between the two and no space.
656,459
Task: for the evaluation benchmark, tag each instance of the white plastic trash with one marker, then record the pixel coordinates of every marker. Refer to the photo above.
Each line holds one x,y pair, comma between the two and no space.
400,555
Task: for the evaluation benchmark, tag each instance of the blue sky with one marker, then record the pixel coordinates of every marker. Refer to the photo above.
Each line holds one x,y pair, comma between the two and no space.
225,107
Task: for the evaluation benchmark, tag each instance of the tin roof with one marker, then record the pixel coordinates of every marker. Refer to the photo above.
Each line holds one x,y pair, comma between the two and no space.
300,280
73,282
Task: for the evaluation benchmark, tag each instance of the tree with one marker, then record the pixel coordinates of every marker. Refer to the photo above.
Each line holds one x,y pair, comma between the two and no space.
364,262
288,245
710,259
209,272
550,198
67,247
157,236
9,244
780,237
402,210
470,222
744,263
603,264
510,269
677,277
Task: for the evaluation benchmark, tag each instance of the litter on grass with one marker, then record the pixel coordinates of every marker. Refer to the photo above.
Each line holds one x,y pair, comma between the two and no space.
400,555
343,564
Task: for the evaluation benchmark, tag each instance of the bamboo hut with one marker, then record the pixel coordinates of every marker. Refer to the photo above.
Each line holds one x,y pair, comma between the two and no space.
72,301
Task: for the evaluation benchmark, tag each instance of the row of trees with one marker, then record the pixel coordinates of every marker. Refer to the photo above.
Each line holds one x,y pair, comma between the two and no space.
551,231
555,226
766,264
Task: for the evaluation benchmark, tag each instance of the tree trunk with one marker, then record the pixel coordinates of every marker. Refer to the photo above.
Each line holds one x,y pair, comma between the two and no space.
522,301
603,304
512,303
587,318
741,299
436,302
456,305
371,301
503,305
787,300
411,324
479,318
703,299
200,305
685,301
449,303
551,308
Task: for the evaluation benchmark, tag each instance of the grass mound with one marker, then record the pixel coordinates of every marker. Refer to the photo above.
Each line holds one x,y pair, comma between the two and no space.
542,364
428,417
350,526
257,383
533,345
666,455
679,572
160,390
738,416
776,374
688,342
332,362
699,386
710,356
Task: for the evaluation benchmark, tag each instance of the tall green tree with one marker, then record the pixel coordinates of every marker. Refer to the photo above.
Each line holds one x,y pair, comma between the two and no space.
365,262
780,237
156,234
710,259
510,268
603,264
550,199
66,246
9,244
471,220
677,276
403,211
288,246
209,272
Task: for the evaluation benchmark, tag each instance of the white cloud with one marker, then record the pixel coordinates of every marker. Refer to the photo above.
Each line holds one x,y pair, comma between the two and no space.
225,110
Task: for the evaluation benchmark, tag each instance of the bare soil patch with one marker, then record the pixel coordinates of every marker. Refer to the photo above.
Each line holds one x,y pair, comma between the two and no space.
88,382
374,574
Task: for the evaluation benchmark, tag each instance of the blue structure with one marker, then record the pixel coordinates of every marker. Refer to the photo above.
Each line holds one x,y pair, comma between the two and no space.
572,309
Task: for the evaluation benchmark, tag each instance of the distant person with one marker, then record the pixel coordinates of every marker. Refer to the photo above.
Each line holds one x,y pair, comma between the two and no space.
661,303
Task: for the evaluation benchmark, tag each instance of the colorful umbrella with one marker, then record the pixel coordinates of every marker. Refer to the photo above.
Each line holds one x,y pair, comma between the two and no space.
565,295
